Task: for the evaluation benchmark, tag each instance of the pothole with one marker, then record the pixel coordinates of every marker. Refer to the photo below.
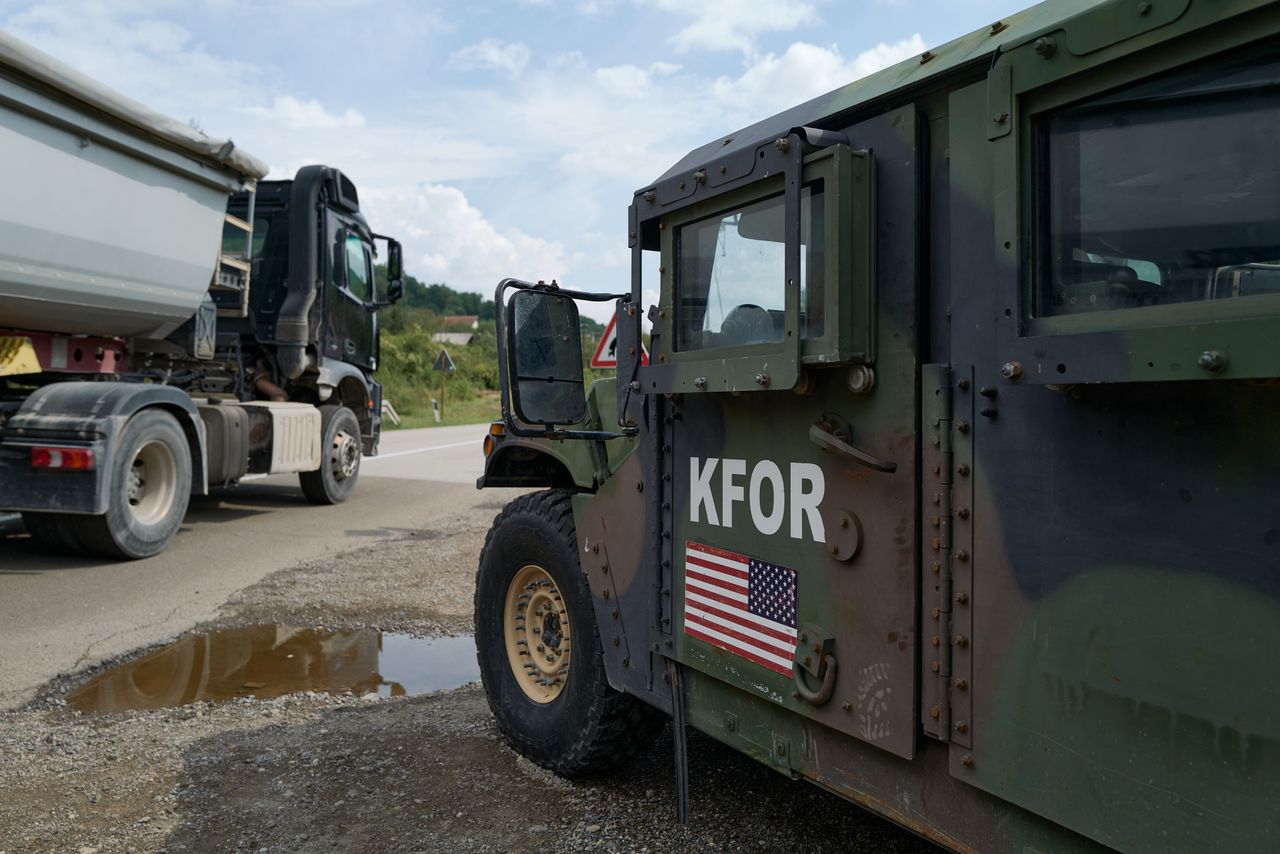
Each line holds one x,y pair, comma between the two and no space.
271,660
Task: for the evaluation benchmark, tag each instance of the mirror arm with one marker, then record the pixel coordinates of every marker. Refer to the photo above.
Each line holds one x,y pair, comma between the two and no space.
508,418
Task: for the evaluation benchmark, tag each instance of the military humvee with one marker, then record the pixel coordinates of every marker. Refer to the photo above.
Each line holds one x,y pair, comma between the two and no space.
949,485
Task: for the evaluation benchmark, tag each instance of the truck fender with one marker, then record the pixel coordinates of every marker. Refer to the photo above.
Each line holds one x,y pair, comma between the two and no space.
341,383
72,408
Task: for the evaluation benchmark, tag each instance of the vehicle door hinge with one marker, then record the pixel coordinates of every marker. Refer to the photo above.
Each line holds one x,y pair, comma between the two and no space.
946,521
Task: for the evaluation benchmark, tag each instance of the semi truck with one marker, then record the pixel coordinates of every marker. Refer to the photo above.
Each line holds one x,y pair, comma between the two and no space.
950,483
170,322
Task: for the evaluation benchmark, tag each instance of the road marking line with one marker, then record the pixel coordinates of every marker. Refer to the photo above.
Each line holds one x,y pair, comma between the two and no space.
472,442
368,460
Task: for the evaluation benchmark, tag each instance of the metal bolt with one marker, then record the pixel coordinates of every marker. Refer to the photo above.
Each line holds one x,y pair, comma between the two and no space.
626,662
962,641
935,667
762,379
963,512
988,412
700,383
616,640
649,196
926,56
963,469
1144,8
989,391
937,441
782,144
1212,360
935,713
962,684
795,695
846,706
807,661
998,27
937,566
605,593
1012,371
1000,118
614,613
967,760
861,379
935,641
962,426
844,521
937,469
937,613
935,521
639,486
962,598
604,567
936,544
1045,46
962,556
700,176
961,726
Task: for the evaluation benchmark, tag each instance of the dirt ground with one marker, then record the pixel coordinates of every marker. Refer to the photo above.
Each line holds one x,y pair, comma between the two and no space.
312,772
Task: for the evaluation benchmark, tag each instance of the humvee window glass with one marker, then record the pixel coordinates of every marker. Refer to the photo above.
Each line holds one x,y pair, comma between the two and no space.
1167,192
731,275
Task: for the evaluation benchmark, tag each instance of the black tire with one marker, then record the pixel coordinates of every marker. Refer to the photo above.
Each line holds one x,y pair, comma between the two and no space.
588,726
340,450
54,531
149,487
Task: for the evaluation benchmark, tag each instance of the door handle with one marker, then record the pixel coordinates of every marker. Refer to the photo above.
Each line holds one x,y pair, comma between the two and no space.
827,436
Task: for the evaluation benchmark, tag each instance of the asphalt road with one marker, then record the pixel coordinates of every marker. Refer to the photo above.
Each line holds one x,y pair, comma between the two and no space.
58,614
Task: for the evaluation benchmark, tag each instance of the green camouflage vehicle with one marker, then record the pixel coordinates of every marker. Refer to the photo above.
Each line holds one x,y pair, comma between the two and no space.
946,487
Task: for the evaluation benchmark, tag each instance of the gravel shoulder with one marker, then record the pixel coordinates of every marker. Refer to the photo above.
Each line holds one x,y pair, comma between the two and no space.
312,772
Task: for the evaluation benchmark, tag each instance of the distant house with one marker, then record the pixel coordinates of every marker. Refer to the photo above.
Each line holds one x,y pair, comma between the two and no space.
458,322
461,339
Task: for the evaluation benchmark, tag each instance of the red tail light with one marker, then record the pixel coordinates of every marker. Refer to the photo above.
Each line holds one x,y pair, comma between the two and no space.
75,459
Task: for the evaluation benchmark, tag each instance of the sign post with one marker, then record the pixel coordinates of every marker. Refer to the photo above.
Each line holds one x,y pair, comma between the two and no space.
444,364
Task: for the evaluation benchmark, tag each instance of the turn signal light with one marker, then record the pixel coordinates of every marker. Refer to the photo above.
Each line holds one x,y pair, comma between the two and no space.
74,459
488,446
497,428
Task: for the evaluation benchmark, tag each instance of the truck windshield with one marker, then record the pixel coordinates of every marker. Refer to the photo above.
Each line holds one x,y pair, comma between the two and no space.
731,275
1164,193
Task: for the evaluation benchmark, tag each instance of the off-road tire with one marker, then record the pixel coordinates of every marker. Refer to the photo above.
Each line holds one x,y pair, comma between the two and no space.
329,484
140,520
588,726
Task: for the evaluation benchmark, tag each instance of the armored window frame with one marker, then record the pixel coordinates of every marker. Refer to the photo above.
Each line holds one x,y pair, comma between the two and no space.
1026,85
846,178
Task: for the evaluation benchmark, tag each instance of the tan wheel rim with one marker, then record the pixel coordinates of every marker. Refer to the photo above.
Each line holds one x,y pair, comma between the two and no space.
536,631
150,483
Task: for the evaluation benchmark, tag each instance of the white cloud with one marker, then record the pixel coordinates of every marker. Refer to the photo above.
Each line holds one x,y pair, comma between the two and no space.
630,80
805,71
295,114
508,57
733,24
448,240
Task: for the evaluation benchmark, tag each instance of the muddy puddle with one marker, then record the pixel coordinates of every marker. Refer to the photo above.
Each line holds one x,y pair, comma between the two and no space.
268,661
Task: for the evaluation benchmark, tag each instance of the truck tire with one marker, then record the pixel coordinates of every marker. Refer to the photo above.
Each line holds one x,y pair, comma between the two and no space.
545,680
149,485
334,481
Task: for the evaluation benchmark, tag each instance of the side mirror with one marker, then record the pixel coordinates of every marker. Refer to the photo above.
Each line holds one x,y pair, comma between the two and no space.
545,347
395,272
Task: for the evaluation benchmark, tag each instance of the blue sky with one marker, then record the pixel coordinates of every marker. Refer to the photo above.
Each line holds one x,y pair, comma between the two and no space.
492,138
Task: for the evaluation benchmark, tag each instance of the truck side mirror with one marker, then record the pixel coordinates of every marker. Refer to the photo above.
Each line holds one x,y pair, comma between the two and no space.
545,347
395,272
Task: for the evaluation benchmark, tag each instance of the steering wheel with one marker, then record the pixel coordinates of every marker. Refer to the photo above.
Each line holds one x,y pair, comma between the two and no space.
747,324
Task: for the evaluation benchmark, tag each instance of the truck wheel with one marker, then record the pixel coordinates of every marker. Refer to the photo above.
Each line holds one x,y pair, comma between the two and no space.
149,487
539,650
333,482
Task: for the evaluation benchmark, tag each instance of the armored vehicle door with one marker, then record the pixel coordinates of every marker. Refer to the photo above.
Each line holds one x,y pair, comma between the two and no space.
787,351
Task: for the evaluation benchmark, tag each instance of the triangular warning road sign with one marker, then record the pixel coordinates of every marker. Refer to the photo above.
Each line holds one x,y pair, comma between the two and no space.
606,355
444,362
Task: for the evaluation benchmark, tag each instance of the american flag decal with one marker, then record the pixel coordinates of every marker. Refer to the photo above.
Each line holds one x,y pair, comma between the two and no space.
740,604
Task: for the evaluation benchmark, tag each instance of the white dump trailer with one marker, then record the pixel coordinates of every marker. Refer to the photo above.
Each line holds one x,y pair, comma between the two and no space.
169,321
